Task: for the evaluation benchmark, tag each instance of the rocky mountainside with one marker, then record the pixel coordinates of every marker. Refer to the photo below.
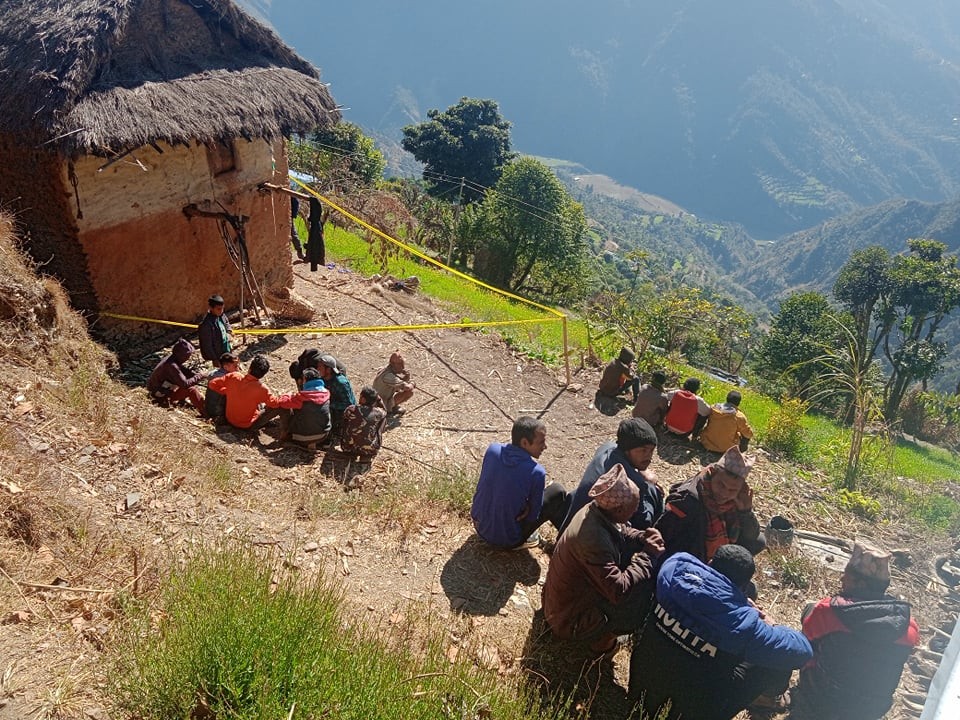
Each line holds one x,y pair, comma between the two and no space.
773,115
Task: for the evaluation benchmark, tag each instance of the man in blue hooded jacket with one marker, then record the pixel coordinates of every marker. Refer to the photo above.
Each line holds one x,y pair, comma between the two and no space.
512,498
705,647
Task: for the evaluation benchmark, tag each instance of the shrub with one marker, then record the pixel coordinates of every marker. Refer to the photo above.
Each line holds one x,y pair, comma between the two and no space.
859,504
784,432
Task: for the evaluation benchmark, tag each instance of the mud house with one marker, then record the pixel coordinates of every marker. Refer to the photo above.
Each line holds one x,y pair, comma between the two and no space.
119,117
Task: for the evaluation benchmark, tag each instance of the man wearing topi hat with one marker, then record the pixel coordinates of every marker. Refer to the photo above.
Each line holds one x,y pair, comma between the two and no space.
861,638
712,509
617,378
600,578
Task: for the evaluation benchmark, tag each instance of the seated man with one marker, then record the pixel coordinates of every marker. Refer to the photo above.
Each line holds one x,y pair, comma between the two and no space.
305,415
171,382
688,411
363,425
512,498
341,392
245,394
394,385
634,448
617,378
600,577
727,426
652,403
712,509
214,331
309,358
861,638
706,648
214,403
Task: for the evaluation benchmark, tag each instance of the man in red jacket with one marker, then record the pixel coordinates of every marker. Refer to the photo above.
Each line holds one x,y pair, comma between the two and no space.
688,411
861,639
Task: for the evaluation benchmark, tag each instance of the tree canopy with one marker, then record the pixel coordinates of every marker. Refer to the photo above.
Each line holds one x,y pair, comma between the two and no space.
468,144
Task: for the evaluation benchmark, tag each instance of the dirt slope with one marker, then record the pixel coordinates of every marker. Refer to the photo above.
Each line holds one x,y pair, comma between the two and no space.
99,491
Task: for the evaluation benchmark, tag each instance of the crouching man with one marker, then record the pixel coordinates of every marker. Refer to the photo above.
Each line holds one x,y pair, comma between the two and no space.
705,647
600,579
861,638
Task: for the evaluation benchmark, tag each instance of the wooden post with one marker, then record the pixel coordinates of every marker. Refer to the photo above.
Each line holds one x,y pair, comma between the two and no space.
566,351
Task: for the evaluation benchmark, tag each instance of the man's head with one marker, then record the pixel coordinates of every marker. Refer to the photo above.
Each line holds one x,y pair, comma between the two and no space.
637,440
215,303
530,434
658,379
229,362
396,361
691,385
729,476
615,494
368,395
734,397
309,374
626,356
867,574
328,366
259,366
736,563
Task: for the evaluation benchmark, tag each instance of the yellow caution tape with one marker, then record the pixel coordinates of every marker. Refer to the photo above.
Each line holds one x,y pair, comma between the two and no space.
423,256
137,318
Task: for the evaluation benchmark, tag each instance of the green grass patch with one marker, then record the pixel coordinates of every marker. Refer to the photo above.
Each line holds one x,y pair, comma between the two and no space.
463,298
237,637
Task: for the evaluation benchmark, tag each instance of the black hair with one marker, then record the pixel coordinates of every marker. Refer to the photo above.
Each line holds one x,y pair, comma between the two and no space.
658,378
369,394
525,428
691,385
259,366
734,397
736,562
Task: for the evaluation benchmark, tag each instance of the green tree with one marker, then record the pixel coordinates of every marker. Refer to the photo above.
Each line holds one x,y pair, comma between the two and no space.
341,158
535,233
898,304
925,288
785,355
464,148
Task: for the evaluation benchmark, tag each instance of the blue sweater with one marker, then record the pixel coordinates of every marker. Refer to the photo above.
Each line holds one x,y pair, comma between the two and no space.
511,481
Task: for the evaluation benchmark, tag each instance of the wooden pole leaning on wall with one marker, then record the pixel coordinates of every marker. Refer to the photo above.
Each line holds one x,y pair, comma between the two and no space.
566,351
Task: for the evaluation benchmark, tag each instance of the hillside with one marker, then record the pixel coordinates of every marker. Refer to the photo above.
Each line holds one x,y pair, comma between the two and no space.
102,492
811,259
776,116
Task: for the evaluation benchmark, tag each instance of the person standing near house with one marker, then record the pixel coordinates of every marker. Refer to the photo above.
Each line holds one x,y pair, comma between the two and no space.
294,236
214,331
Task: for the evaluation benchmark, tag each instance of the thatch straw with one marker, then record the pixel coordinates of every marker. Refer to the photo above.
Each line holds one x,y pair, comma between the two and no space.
105,76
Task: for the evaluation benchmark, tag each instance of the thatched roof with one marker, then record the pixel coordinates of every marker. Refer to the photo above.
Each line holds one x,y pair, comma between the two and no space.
106,76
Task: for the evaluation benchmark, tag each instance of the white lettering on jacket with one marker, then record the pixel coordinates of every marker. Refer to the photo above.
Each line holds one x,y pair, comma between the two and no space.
684,637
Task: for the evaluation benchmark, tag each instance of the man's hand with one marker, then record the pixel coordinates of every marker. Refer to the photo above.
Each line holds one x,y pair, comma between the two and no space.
744,499
652,542
763,615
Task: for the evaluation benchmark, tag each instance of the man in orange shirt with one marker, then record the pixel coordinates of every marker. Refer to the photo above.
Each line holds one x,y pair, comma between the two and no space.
245,394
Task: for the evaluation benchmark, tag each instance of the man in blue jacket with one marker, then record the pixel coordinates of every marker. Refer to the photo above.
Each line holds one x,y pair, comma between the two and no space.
634,449
512,498
705,647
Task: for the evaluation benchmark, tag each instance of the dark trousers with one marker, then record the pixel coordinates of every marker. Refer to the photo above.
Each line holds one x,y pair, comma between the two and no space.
556,503
631,384
750,682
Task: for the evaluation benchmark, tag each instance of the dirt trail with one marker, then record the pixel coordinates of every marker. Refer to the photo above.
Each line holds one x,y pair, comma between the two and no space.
387,554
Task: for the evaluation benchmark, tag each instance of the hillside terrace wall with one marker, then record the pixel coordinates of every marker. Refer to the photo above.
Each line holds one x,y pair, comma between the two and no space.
146,258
